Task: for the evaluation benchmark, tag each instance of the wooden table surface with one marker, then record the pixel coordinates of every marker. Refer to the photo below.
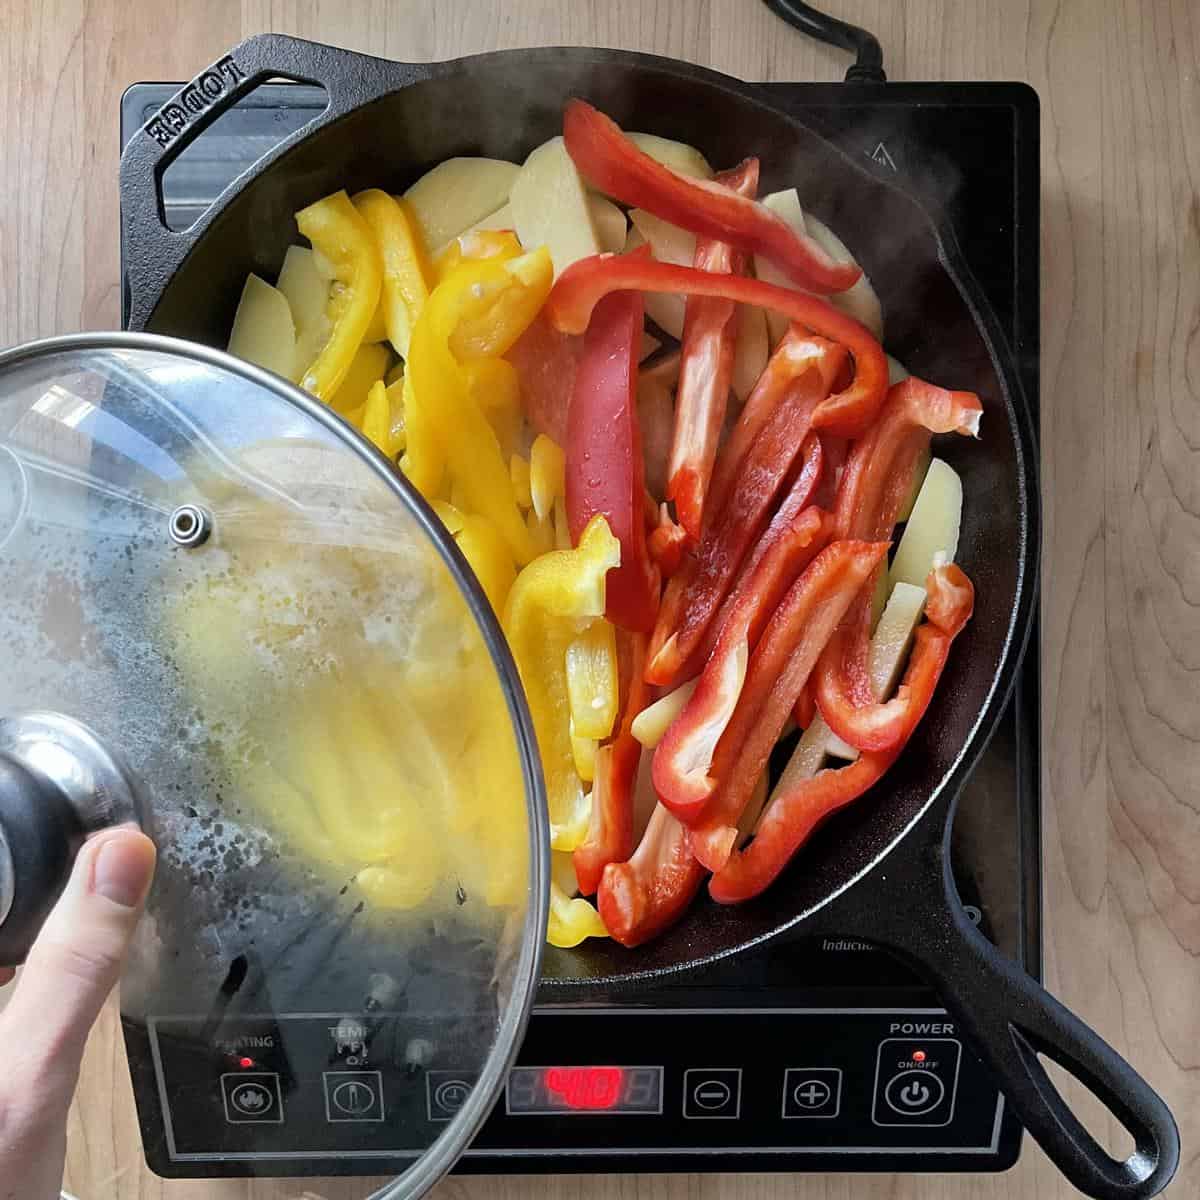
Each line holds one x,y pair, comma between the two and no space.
1120,100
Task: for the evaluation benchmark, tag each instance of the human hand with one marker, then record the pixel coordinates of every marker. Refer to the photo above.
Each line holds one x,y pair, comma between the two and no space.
69,972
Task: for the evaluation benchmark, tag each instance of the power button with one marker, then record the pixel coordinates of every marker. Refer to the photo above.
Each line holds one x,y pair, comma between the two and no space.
914,1093
915,1081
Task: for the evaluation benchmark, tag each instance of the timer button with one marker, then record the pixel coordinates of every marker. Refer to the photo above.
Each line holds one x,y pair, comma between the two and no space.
712,1093
447,1091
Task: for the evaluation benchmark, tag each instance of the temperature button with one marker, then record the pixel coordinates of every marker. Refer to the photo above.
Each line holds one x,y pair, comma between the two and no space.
916,1081
353,1096
712,1093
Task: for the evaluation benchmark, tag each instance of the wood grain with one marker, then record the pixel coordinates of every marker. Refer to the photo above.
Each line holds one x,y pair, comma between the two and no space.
1120,93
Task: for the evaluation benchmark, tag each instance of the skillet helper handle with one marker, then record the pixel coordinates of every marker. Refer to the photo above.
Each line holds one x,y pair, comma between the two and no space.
1008,1019
349,79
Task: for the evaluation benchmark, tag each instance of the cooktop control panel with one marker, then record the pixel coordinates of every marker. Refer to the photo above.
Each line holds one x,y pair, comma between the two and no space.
660,1084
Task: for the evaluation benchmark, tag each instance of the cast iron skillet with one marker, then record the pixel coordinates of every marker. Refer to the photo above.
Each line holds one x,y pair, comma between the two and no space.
386,123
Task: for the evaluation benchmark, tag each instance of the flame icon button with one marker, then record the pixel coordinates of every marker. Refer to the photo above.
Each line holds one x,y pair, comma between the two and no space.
252,1098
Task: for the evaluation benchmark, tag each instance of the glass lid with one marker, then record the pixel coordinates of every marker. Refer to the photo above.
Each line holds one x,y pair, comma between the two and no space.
243,604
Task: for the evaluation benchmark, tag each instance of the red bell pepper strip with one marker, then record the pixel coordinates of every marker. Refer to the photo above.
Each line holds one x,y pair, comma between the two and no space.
847,413
546,362
696,591
877,477
640,898
604,456
781,662
800,494
875,482
610,834
710,327
835,451
797,809
668,544
804,711
797,354
685,755
614,165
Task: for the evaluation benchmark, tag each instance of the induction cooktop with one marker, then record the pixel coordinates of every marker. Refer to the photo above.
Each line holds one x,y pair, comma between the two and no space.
803,1056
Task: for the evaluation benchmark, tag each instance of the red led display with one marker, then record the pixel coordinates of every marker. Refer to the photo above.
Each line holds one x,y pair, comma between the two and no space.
586,1087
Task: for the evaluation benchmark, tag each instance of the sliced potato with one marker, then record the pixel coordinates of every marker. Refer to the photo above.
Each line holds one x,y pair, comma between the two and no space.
668,243
893,637
652,722
861,301
809,756
263,330
665,309
753,810
932,529
751,350
610,223
306,287
502,218
457,193
550,206
888,652
785,204
680,157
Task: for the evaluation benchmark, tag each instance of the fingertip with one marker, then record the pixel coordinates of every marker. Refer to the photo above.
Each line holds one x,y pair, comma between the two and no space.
122,865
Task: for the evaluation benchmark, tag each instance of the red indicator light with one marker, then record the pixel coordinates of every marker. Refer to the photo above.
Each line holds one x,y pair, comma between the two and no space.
586,1087
918,1056
245,1063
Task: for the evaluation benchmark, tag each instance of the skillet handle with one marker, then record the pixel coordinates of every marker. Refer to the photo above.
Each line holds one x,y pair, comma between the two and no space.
350,79
1009,1019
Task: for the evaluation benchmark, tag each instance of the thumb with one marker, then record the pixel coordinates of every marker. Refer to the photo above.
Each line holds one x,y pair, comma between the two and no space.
77,957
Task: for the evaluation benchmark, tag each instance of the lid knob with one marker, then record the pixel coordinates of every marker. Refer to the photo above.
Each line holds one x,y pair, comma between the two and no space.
58,783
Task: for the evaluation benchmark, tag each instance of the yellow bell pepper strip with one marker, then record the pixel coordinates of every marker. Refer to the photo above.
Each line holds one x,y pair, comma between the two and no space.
442,395
406,269
369,364
571,921
377,421
486,551
448,515
504,297
547,474
518,468
500,244
552,597
592,680
377,330
583,749
541,534
424,462
562,528
493,385
343,239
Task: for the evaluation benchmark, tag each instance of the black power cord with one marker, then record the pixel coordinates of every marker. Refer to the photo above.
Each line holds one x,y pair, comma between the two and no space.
868,64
